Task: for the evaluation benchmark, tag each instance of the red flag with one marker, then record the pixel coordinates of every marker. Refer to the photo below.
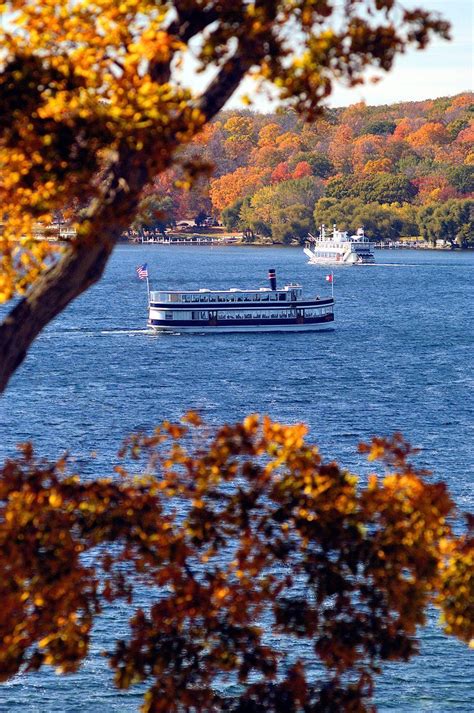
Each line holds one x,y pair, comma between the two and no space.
329,278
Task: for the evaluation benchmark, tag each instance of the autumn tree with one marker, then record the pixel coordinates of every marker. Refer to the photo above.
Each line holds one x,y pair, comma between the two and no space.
240,183
268,134
249,532
340,149
379,165
427,137
434,187
302,169
407,126
355,116
366,148
239,141
270,208
281,172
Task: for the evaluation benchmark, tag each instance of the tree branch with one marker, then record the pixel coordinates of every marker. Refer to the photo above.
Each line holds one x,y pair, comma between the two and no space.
224,84
190,23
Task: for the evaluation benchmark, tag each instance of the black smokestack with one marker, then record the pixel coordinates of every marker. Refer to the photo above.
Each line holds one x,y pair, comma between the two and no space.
272,278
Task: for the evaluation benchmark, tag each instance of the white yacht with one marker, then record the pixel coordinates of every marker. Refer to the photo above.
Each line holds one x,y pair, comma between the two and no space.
264,309
339,248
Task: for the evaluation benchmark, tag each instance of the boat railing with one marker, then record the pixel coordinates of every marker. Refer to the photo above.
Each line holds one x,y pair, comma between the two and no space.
164,296
290,292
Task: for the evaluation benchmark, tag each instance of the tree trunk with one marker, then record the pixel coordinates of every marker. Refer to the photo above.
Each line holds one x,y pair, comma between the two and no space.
80,268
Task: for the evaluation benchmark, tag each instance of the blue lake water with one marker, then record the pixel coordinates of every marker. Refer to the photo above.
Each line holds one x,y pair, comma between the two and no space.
400,358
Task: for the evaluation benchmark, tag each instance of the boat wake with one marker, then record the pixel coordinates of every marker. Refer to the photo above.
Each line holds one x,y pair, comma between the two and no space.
127,332
391,264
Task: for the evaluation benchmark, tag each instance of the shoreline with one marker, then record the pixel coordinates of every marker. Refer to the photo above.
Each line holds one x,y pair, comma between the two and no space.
282,245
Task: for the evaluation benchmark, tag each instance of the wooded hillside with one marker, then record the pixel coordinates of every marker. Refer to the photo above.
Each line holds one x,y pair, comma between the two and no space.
400,170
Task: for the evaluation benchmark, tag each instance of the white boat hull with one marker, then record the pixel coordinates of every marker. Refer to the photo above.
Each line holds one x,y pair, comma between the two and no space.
244,328
352,259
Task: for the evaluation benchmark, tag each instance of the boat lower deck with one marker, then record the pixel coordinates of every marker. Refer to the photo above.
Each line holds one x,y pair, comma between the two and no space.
244,325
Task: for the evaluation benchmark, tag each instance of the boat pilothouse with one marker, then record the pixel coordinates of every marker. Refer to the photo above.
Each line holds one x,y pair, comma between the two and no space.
339,248
264,309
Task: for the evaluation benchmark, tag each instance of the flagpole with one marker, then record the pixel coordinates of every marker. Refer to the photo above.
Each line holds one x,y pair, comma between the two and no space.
148,287
332,284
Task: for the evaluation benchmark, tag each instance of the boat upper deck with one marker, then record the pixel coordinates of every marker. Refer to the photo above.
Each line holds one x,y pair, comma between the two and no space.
288,293
338,237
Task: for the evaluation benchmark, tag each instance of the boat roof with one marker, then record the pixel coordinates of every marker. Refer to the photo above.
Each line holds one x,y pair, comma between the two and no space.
204,290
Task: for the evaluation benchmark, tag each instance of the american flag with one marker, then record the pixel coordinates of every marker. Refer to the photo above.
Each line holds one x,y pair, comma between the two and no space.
142,271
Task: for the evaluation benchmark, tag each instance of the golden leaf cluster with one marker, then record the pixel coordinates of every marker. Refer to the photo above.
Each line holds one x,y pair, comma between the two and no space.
75,91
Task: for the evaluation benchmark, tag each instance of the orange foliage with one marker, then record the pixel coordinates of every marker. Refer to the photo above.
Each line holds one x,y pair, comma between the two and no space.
242,182
463,100
288,142
366,148
281,172
268,134
340,149
429,134
434,188
466,135
302,169
207,133
405,127
266,155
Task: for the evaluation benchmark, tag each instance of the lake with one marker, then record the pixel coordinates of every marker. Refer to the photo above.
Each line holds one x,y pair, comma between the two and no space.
399,359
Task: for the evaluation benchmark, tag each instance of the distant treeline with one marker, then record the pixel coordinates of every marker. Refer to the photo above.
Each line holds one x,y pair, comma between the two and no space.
398,170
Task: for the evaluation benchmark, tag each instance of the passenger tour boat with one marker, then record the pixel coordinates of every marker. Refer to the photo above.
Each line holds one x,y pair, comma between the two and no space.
264,309
339,248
